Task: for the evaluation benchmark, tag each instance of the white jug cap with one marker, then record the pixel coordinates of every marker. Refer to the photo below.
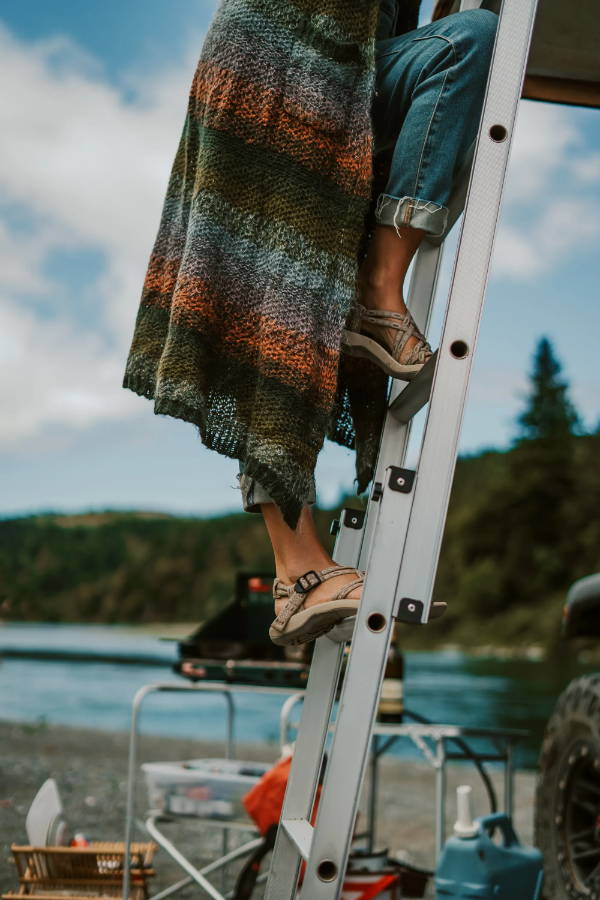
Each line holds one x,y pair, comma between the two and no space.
464,827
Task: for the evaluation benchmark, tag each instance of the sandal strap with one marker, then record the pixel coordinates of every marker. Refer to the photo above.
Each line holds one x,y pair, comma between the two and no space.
348,588
296,593
406,327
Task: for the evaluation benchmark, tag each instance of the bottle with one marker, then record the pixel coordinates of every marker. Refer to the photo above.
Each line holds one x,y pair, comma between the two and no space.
79,840
473,865
391,703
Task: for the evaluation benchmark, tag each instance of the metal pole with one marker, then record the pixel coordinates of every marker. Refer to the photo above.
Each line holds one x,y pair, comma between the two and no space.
440,796
139,697
198,875
229,754
131,772
373,789
284,718
169,891
230,745
509,779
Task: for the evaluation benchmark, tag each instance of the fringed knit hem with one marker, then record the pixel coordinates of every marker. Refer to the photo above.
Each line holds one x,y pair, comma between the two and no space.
290,497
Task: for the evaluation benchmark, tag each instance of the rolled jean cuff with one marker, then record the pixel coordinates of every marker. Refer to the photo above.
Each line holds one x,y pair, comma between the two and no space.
253,494
411,211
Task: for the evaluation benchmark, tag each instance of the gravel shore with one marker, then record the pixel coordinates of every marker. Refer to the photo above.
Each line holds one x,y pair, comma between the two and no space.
90,767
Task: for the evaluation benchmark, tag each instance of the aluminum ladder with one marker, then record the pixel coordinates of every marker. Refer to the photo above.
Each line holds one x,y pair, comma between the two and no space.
397,538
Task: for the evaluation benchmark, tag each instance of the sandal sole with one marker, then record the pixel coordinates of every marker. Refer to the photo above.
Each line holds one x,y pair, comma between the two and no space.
310,630
309,624
356,344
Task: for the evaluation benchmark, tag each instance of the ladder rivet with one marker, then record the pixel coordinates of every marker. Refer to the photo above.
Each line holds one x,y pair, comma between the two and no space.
401,481
376,622
459,349
411,607
327,870
498,133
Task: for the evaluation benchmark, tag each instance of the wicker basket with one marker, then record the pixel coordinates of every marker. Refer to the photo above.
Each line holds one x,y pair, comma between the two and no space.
81,872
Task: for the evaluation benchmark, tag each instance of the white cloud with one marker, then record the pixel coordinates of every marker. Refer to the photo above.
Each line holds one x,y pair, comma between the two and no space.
89,169
20,256
587,168
547,211
59,376
562,225
545,138
87,159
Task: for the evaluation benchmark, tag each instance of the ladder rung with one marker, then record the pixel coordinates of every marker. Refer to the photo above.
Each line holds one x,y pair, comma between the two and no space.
300,832
342,632
416,393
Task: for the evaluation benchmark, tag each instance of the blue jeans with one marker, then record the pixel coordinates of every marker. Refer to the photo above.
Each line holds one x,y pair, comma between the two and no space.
430,84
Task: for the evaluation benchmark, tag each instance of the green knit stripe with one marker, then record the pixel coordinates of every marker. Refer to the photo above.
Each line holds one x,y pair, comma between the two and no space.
352,22
303,200
234,167
299,376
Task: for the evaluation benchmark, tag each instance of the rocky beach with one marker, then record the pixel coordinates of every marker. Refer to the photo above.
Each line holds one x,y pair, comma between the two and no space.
90,767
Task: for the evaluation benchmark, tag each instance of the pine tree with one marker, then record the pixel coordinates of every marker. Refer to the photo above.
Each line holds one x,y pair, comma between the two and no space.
542,480
518,542
549,413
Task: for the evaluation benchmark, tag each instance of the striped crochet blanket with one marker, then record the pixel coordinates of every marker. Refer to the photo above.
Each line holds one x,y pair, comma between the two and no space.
252,275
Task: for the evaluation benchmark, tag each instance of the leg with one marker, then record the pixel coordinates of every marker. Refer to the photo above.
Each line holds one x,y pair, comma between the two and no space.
429,94
381,276
430,87
298,551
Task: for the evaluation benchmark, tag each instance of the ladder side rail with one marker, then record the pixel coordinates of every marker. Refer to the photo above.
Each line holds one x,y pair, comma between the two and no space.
310,743
465,304
423,284
357,709
306,765
395,435
349,537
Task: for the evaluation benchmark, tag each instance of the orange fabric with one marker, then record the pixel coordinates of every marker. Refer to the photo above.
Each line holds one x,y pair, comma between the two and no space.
264,801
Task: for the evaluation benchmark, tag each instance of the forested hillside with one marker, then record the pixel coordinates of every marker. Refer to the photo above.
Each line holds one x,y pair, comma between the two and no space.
522,525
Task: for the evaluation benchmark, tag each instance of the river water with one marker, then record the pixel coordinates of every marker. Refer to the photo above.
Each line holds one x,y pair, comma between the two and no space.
444,686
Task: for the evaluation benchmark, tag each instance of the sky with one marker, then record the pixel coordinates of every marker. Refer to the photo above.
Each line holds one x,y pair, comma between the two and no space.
91,110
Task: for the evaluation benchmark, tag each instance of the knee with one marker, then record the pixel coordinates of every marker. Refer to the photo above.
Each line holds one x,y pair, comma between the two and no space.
477,30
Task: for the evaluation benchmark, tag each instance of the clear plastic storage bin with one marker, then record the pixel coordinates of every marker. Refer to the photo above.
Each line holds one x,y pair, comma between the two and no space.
206,788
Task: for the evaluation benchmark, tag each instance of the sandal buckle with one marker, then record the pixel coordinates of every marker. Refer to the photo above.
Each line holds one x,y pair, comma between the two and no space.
307,581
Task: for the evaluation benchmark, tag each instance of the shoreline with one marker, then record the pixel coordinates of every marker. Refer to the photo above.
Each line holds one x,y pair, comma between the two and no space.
90,767
166,633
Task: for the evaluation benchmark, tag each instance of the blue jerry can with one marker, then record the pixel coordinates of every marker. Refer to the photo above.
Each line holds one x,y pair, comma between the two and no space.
473,866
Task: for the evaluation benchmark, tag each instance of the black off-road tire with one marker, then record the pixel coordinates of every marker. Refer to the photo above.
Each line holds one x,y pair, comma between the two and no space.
567,807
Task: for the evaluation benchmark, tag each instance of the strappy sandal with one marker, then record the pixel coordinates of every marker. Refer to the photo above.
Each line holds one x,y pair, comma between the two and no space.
365,343
295,625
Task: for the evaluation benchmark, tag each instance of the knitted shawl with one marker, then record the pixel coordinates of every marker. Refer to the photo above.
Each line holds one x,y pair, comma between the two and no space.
252,275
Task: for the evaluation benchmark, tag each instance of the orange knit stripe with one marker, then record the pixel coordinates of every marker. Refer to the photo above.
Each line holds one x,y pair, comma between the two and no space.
221,90
312,366
162,276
